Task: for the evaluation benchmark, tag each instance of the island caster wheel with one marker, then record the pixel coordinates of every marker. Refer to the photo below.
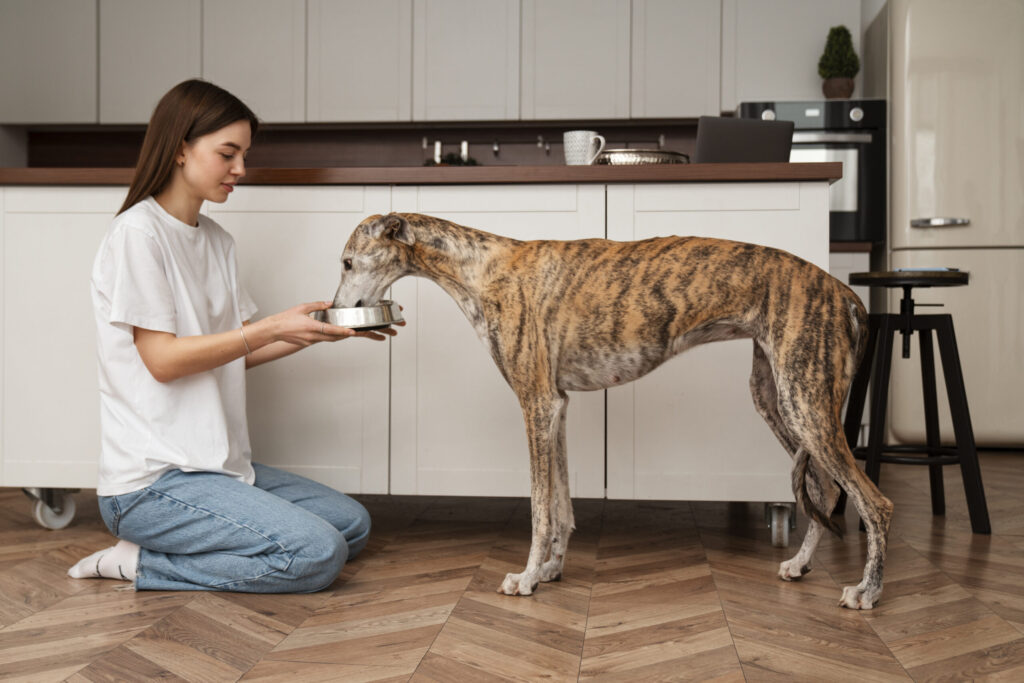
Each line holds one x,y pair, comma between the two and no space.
780,516
53,509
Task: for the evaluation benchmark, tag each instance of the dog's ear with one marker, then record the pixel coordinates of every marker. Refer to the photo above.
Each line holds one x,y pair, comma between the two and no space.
393,226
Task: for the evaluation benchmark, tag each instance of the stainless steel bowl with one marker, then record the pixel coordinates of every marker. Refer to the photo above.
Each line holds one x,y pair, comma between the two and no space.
376,317
640,157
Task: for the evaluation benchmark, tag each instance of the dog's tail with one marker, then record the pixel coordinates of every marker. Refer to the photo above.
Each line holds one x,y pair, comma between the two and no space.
803,498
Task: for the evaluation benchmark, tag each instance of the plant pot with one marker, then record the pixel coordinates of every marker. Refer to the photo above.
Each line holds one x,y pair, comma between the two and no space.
837,88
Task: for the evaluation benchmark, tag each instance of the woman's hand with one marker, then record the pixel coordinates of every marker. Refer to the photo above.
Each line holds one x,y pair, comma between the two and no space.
294,326
168,357
288,331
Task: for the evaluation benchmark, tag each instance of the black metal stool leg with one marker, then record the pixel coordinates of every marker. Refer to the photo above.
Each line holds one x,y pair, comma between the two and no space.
966,449
931,420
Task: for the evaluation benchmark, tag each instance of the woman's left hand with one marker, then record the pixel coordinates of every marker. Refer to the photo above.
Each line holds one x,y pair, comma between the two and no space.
337,333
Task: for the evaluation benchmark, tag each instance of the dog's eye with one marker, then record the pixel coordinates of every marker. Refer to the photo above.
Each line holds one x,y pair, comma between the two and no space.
347,263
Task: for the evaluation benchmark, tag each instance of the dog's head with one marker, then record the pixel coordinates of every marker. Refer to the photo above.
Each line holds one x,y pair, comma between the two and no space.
376,255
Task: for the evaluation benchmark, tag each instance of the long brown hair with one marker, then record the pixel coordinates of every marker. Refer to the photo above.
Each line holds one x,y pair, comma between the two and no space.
189,110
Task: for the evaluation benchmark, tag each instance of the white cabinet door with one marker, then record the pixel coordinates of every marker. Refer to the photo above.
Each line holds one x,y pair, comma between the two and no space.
689,430
466,60
359,60
323,412
676,56
770,50
48,61
136,39
50,400
457,428
575,59
256,49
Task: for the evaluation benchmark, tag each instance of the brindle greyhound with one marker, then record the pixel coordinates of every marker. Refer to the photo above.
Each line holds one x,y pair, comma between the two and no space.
589,314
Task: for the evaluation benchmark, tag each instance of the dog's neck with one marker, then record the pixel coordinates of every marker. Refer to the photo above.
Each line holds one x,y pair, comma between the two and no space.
458,259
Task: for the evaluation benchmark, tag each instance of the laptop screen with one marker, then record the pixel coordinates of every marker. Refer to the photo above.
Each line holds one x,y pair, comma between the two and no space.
728,140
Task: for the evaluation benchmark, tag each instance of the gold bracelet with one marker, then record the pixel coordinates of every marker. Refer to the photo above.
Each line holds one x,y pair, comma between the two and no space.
241,331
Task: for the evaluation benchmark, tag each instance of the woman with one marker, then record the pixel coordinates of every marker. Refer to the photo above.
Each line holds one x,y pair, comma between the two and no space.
176,482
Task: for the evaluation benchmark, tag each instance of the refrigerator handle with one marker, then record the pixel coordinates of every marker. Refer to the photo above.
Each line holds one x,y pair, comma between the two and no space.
938,222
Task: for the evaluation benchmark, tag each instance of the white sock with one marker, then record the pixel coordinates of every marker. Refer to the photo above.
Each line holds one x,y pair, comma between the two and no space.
116,562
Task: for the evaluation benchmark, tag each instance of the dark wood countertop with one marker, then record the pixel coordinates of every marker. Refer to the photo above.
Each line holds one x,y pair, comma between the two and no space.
462,175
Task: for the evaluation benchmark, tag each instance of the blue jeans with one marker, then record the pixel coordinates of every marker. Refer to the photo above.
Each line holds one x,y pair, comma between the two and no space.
207,531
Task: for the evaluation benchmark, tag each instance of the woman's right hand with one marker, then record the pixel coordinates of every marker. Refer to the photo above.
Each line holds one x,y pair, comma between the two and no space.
294,326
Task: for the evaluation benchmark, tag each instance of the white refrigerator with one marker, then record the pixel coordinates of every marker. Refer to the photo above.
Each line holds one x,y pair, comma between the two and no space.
956,103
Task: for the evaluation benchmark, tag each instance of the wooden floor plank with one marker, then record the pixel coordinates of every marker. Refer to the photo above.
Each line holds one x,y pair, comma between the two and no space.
1003,662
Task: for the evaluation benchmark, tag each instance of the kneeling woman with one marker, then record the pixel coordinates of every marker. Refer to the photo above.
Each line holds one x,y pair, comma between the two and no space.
176,483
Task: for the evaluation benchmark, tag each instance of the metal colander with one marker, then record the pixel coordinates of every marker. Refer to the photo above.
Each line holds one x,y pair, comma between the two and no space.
639,157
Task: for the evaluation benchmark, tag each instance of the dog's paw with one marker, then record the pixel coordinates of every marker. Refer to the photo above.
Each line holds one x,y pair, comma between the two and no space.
855,597
792,570
518,584
551,570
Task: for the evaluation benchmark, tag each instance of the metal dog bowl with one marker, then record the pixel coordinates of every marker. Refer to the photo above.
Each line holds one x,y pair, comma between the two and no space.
376,317
639,157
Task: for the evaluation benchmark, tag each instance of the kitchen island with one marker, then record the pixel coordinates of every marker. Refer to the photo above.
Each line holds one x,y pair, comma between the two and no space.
427,412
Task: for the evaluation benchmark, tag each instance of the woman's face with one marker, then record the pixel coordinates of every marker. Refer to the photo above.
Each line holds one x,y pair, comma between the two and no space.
213,163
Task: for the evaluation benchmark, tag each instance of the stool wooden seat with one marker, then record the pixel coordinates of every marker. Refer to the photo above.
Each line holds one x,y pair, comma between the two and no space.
875,370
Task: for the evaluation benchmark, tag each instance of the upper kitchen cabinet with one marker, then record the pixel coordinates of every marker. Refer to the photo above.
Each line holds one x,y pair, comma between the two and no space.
47,61
136,37
359,60
257,50
770,50
576,57
676,58
466,60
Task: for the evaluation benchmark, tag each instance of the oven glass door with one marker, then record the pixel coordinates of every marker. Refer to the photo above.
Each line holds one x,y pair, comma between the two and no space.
842,194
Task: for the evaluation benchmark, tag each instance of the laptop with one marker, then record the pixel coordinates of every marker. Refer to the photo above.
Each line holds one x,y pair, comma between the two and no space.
729,140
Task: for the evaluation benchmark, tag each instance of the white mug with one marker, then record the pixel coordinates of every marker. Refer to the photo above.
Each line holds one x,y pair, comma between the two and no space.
580,147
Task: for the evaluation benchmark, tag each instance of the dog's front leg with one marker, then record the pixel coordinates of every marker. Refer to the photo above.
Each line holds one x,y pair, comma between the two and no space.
562,521
543,416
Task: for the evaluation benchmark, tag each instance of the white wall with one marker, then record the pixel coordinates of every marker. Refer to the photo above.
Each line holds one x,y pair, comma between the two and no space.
874,15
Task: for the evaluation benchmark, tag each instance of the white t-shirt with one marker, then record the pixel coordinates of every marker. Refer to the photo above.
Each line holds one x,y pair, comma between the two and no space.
156,272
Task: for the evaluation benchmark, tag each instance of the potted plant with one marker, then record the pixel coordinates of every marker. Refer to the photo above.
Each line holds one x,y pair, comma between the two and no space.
838,64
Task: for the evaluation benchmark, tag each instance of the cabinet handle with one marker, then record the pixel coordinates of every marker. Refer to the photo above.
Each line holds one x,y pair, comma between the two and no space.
938,222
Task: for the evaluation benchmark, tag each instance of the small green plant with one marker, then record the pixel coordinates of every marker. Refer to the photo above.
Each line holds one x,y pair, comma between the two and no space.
839,59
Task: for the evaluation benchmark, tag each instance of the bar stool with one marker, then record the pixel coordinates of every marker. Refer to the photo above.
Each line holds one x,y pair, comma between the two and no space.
882,329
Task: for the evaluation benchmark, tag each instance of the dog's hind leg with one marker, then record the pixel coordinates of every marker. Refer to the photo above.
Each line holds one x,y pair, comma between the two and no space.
562,520
544,417
876,512
825,440
824,493
766,401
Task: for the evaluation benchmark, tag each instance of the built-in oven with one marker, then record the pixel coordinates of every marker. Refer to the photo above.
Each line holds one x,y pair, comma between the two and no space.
850,131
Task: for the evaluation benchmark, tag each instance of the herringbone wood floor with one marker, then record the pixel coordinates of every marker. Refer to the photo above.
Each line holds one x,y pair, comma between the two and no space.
652,591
